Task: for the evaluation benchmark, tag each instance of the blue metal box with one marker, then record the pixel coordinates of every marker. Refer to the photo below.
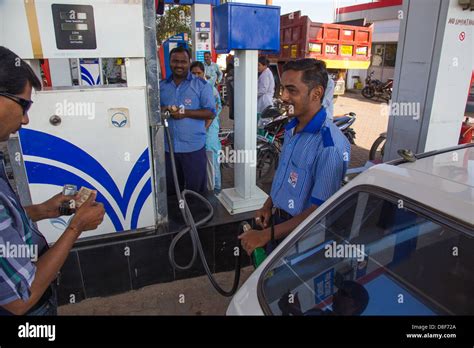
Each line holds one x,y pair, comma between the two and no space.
246,27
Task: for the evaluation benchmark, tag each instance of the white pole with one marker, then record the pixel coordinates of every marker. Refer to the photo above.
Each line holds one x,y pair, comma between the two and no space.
245,196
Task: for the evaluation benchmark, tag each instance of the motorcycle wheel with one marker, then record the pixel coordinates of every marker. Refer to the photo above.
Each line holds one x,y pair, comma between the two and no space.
368,92
377,150
267,161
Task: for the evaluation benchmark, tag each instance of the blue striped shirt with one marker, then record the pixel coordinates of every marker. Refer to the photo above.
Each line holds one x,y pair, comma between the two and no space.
16,229
312,165
194,93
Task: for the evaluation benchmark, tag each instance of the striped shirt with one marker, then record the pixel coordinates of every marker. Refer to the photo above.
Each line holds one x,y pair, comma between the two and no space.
17,232
312,165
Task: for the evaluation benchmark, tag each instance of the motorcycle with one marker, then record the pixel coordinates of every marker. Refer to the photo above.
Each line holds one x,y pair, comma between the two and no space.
376,88
377,149
344,123
270,136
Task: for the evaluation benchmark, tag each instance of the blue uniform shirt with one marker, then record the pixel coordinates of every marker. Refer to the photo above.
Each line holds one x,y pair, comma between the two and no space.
193,93
312,165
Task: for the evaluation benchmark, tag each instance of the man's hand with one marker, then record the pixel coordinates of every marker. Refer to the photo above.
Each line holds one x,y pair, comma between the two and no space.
51,206
253,239
48,209
89,215
263,216
178,114
175,112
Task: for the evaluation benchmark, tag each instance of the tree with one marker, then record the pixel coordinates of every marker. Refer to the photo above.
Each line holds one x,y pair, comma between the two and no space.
175,20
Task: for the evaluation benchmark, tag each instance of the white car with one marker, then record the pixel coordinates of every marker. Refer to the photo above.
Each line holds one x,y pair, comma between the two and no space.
397,240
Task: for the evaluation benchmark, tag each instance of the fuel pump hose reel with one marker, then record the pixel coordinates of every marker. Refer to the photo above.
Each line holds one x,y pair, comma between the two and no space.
191,225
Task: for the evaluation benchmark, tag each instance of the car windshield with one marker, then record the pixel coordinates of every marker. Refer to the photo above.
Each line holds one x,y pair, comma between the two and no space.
373,256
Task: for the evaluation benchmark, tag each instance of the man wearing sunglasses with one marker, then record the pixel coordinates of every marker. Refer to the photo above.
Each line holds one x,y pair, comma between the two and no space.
27,280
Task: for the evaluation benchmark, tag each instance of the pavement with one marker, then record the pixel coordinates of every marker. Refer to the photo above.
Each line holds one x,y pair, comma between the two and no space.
194,296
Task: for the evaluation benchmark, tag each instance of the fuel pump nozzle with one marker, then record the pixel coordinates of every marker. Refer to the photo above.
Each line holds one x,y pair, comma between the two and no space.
166,115
259,254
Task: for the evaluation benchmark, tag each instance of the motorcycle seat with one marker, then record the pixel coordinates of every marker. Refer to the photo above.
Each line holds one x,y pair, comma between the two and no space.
338,121
275,123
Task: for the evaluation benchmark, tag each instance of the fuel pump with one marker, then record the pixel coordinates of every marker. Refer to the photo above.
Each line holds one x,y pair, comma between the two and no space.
82,131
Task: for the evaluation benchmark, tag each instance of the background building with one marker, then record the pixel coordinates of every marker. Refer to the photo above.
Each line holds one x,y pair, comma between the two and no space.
384,14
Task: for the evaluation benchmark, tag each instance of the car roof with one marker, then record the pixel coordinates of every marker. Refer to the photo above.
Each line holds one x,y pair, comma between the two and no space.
441,180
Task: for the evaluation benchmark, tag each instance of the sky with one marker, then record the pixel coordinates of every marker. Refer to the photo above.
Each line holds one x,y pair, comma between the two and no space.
316,10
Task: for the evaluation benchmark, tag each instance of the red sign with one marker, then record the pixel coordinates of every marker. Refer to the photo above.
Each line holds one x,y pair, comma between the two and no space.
462,36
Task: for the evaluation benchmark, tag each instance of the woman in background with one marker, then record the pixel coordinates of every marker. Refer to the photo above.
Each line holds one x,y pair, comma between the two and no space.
212,139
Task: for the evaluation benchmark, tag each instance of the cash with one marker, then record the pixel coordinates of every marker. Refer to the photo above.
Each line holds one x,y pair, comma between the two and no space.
84,193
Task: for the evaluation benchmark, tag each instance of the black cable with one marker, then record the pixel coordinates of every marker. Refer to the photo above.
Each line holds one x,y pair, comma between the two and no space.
191,227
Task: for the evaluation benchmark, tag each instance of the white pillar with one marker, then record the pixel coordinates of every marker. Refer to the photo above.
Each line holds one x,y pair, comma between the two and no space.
245,196
435,60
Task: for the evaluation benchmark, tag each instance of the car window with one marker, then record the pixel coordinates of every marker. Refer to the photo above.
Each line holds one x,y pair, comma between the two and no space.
372,256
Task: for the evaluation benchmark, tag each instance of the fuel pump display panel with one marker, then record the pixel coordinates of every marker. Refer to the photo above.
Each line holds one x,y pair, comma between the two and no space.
74,27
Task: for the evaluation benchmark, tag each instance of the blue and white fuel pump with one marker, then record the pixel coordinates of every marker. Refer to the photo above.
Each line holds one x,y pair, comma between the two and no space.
92,134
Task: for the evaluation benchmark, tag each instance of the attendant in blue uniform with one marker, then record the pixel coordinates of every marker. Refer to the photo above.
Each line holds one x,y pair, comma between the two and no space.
314,157
190,102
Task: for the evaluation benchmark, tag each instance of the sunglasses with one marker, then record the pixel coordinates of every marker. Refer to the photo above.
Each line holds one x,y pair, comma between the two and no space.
24,103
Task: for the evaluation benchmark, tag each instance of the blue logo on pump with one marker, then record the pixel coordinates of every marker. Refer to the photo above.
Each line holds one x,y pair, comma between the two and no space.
38,145
119,120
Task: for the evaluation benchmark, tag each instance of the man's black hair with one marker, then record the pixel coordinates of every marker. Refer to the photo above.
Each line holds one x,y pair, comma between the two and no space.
180,49
15,73
314,72
263,60
207,52
197,64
